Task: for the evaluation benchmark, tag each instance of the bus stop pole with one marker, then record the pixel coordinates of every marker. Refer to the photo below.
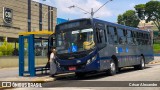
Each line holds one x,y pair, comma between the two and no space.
31,56
21,55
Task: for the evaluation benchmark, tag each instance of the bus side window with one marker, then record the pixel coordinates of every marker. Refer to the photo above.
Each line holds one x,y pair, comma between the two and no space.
133,35
101,37
112,35
121,36
138,38
149,38
129,37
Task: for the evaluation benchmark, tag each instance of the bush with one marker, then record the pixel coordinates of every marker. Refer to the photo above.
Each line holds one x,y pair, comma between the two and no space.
1,54
156,48
6,48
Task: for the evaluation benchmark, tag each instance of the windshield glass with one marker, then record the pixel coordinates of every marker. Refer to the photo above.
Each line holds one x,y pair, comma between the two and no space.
75,41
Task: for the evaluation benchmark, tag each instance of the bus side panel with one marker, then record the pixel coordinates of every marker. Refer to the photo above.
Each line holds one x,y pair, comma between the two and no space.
148,53
104,59
132,55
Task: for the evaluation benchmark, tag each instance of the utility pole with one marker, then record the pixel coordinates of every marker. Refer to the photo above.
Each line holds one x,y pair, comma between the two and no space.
92,12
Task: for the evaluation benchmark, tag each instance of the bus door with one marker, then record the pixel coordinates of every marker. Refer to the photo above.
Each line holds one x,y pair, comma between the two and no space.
51,42
101,44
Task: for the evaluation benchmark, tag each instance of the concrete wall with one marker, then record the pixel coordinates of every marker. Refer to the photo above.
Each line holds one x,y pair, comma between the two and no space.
6,62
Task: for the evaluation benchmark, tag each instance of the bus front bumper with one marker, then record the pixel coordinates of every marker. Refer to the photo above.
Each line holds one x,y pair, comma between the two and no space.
93,66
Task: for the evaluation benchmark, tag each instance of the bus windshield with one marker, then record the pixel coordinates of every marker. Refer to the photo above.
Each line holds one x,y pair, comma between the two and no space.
75,41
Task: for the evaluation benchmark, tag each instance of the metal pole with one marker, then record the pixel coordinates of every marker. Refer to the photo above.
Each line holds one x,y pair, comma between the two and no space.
92,13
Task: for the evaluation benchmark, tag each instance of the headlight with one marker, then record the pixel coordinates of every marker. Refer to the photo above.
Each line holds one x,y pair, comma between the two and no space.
94,58
91,60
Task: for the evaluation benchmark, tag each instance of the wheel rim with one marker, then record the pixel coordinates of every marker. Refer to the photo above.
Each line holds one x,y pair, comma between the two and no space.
142,62
113,68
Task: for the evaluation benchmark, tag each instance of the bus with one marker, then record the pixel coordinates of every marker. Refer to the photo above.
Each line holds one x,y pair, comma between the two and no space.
93,45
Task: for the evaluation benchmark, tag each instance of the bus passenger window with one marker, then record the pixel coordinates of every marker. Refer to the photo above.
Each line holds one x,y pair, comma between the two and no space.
129,37
134,38
112,36
121,36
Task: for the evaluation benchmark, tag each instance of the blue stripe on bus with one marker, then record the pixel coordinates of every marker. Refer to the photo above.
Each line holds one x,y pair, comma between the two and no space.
128,56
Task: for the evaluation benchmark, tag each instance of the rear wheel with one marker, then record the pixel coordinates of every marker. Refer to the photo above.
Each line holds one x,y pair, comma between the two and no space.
141,65
112,70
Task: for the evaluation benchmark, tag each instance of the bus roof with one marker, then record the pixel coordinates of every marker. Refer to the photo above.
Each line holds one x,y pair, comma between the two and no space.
119,25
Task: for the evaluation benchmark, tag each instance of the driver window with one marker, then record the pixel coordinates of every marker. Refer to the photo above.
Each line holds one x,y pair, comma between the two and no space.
100,35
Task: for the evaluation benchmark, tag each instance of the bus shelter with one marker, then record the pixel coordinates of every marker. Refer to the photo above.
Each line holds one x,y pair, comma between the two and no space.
30,37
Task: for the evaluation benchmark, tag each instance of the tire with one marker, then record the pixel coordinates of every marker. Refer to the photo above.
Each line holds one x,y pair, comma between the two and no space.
79,74
112,70
141,66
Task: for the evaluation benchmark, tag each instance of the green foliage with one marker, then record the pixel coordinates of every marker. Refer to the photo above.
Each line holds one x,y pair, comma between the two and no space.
129,18
156,48
120,19
1,54
6,48
149,12
140,9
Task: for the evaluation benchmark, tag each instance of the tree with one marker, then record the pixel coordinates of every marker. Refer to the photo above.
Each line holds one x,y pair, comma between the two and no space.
149,12
120,19
129,18
140,8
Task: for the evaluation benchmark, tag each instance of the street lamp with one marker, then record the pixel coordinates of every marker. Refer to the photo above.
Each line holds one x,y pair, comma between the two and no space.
92,12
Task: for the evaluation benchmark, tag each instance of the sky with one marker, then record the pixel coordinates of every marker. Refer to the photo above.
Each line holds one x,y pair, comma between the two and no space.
109,12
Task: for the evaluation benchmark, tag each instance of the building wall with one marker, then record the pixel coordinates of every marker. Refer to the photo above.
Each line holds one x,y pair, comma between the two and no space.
147,26
20,17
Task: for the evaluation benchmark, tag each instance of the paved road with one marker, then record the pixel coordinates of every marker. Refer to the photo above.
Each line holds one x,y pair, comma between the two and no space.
151,73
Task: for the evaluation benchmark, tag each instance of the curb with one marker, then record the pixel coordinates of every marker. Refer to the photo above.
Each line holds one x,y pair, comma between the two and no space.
154,62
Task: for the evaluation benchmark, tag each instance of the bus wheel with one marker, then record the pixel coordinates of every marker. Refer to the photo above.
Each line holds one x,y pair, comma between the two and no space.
141,65
79,74
112,70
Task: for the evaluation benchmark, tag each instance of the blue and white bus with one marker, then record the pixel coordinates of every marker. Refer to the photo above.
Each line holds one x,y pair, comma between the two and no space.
91,45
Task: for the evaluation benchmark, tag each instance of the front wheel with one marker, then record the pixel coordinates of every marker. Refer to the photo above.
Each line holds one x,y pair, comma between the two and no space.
112,70
141,65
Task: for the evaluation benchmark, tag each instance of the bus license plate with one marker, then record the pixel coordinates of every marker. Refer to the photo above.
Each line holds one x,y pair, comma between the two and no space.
72,68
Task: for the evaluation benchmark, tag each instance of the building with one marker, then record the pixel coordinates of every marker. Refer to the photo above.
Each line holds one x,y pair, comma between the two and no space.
25,16
147,26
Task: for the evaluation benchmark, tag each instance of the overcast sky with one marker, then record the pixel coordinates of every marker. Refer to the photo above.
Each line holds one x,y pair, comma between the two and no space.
108,13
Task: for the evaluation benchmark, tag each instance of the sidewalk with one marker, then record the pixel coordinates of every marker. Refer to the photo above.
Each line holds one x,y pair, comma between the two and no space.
156,60
11,74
